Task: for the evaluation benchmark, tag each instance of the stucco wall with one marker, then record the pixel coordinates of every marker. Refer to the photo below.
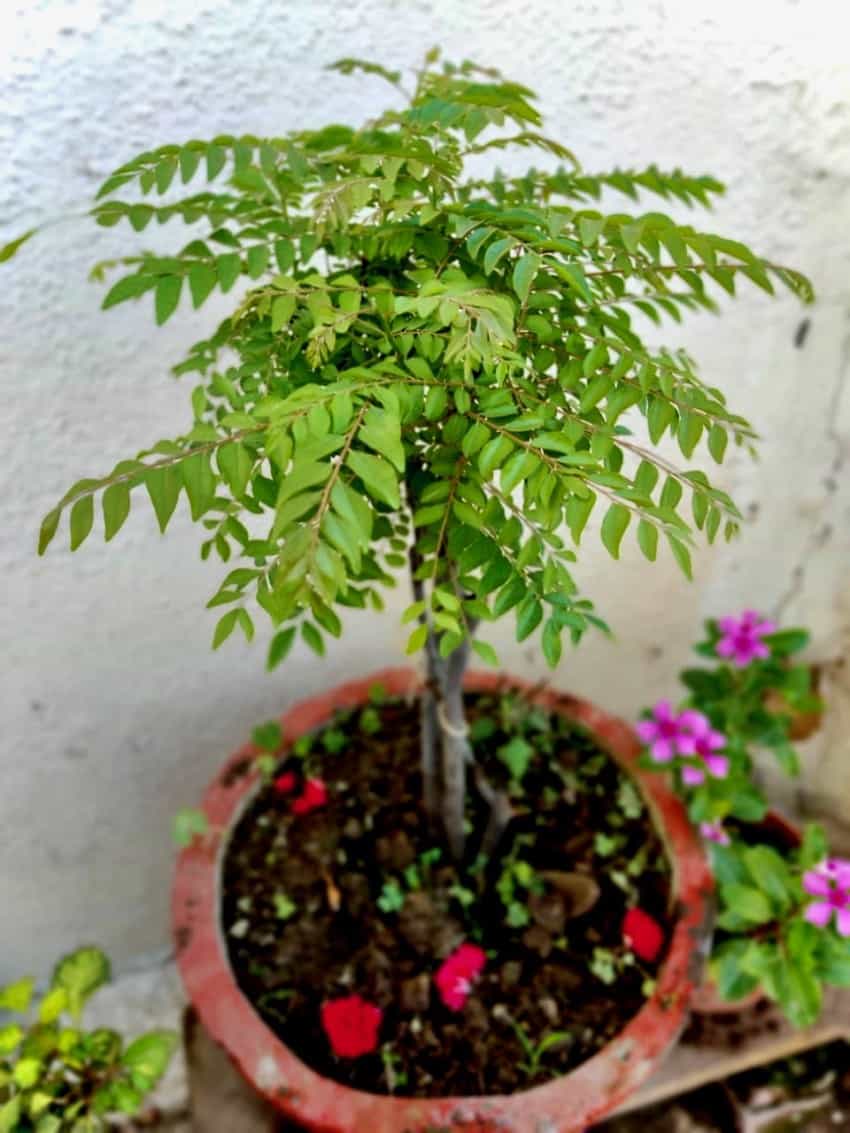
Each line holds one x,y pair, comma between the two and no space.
114,710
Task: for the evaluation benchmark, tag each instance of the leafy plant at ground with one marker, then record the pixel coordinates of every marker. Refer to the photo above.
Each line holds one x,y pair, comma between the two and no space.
424,367
783,916
56,1077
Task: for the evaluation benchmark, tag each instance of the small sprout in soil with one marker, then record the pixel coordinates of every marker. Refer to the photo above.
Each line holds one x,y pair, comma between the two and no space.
517,916
266,765
534,1053
464,897
603,964
377,693
392,897
284,907
516,755
396,1079
333,740
629,800
302,746
268,736
188,825
370,721
607,844
412,877
621,880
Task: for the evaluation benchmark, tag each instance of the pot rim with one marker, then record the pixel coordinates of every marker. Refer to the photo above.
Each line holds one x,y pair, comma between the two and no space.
568,1103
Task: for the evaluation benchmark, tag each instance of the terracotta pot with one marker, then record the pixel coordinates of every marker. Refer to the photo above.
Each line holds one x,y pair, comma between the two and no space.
706,999
565,1105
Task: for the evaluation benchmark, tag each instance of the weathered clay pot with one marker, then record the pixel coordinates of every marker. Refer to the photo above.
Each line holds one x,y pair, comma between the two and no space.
565,1105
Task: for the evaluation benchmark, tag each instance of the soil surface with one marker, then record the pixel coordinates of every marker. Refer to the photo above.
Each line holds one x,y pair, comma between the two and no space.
360,897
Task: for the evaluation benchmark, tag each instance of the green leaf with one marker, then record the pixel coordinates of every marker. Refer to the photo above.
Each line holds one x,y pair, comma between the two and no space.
82,518
381,431
166,297
647,535
81,973
495,252
748,903
682,556
130,287
525,269
283,309
27,1073
10,249
147,1058
516,755
48,528
486,652
163,485
199,481
229,268
17,996
52,1005
188,825
236,464
202,280
10,1037
378,476
279,648
49,1123
614,528
313,638
551,642
10,1113
417,640
116,508
717,438
225,627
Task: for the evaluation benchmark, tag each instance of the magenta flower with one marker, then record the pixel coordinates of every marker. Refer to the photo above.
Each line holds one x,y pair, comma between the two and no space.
830,883
663,734
714,832
704,742
741,638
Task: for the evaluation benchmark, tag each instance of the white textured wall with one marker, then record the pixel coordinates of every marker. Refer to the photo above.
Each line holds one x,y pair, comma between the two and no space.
114,711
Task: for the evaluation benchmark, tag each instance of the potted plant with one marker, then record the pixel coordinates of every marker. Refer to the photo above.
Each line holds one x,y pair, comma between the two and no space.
56,1077
459,900
783,924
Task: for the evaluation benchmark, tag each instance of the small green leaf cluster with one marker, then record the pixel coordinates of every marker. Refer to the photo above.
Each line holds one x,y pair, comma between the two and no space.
421,367
58,1078
766,941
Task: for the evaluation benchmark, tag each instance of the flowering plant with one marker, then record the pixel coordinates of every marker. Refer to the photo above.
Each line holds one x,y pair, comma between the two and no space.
783,912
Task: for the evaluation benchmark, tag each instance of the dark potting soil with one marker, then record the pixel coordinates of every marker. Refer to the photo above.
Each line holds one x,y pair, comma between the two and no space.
360,897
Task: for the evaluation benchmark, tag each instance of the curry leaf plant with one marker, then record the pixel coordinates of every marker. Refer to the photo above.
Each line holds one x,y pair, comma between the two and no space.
424,368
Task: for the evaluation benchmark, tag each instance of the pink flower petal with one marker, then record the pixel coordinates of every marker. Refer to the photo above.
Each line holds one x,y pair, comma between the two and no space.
718,765
685,744
818,913
692,776
725,647
842,921
816,883
662,751
696,722
646,730
727,625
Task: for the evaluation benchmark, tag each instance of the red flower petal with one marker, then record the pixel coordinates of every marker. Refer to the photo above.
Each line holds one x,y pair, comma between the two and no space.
457,973
351,1025
643,934
285,783
314,795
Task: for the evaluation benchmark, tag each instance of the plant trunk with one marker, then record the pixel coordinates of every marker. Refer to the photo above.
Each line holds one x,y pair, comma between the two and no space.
455,749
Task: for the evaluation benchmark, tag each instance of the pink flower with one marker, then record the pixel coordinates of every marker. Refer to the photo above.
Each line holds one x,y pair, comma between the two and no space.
830,882
705,743
314,795
285,784
643,934
351,1025
457,973
714,832
741,637
663,733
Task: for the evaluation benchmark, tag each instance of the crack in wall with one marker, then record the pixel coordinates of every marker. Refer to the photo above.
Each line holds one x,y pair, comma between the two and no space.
841,450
